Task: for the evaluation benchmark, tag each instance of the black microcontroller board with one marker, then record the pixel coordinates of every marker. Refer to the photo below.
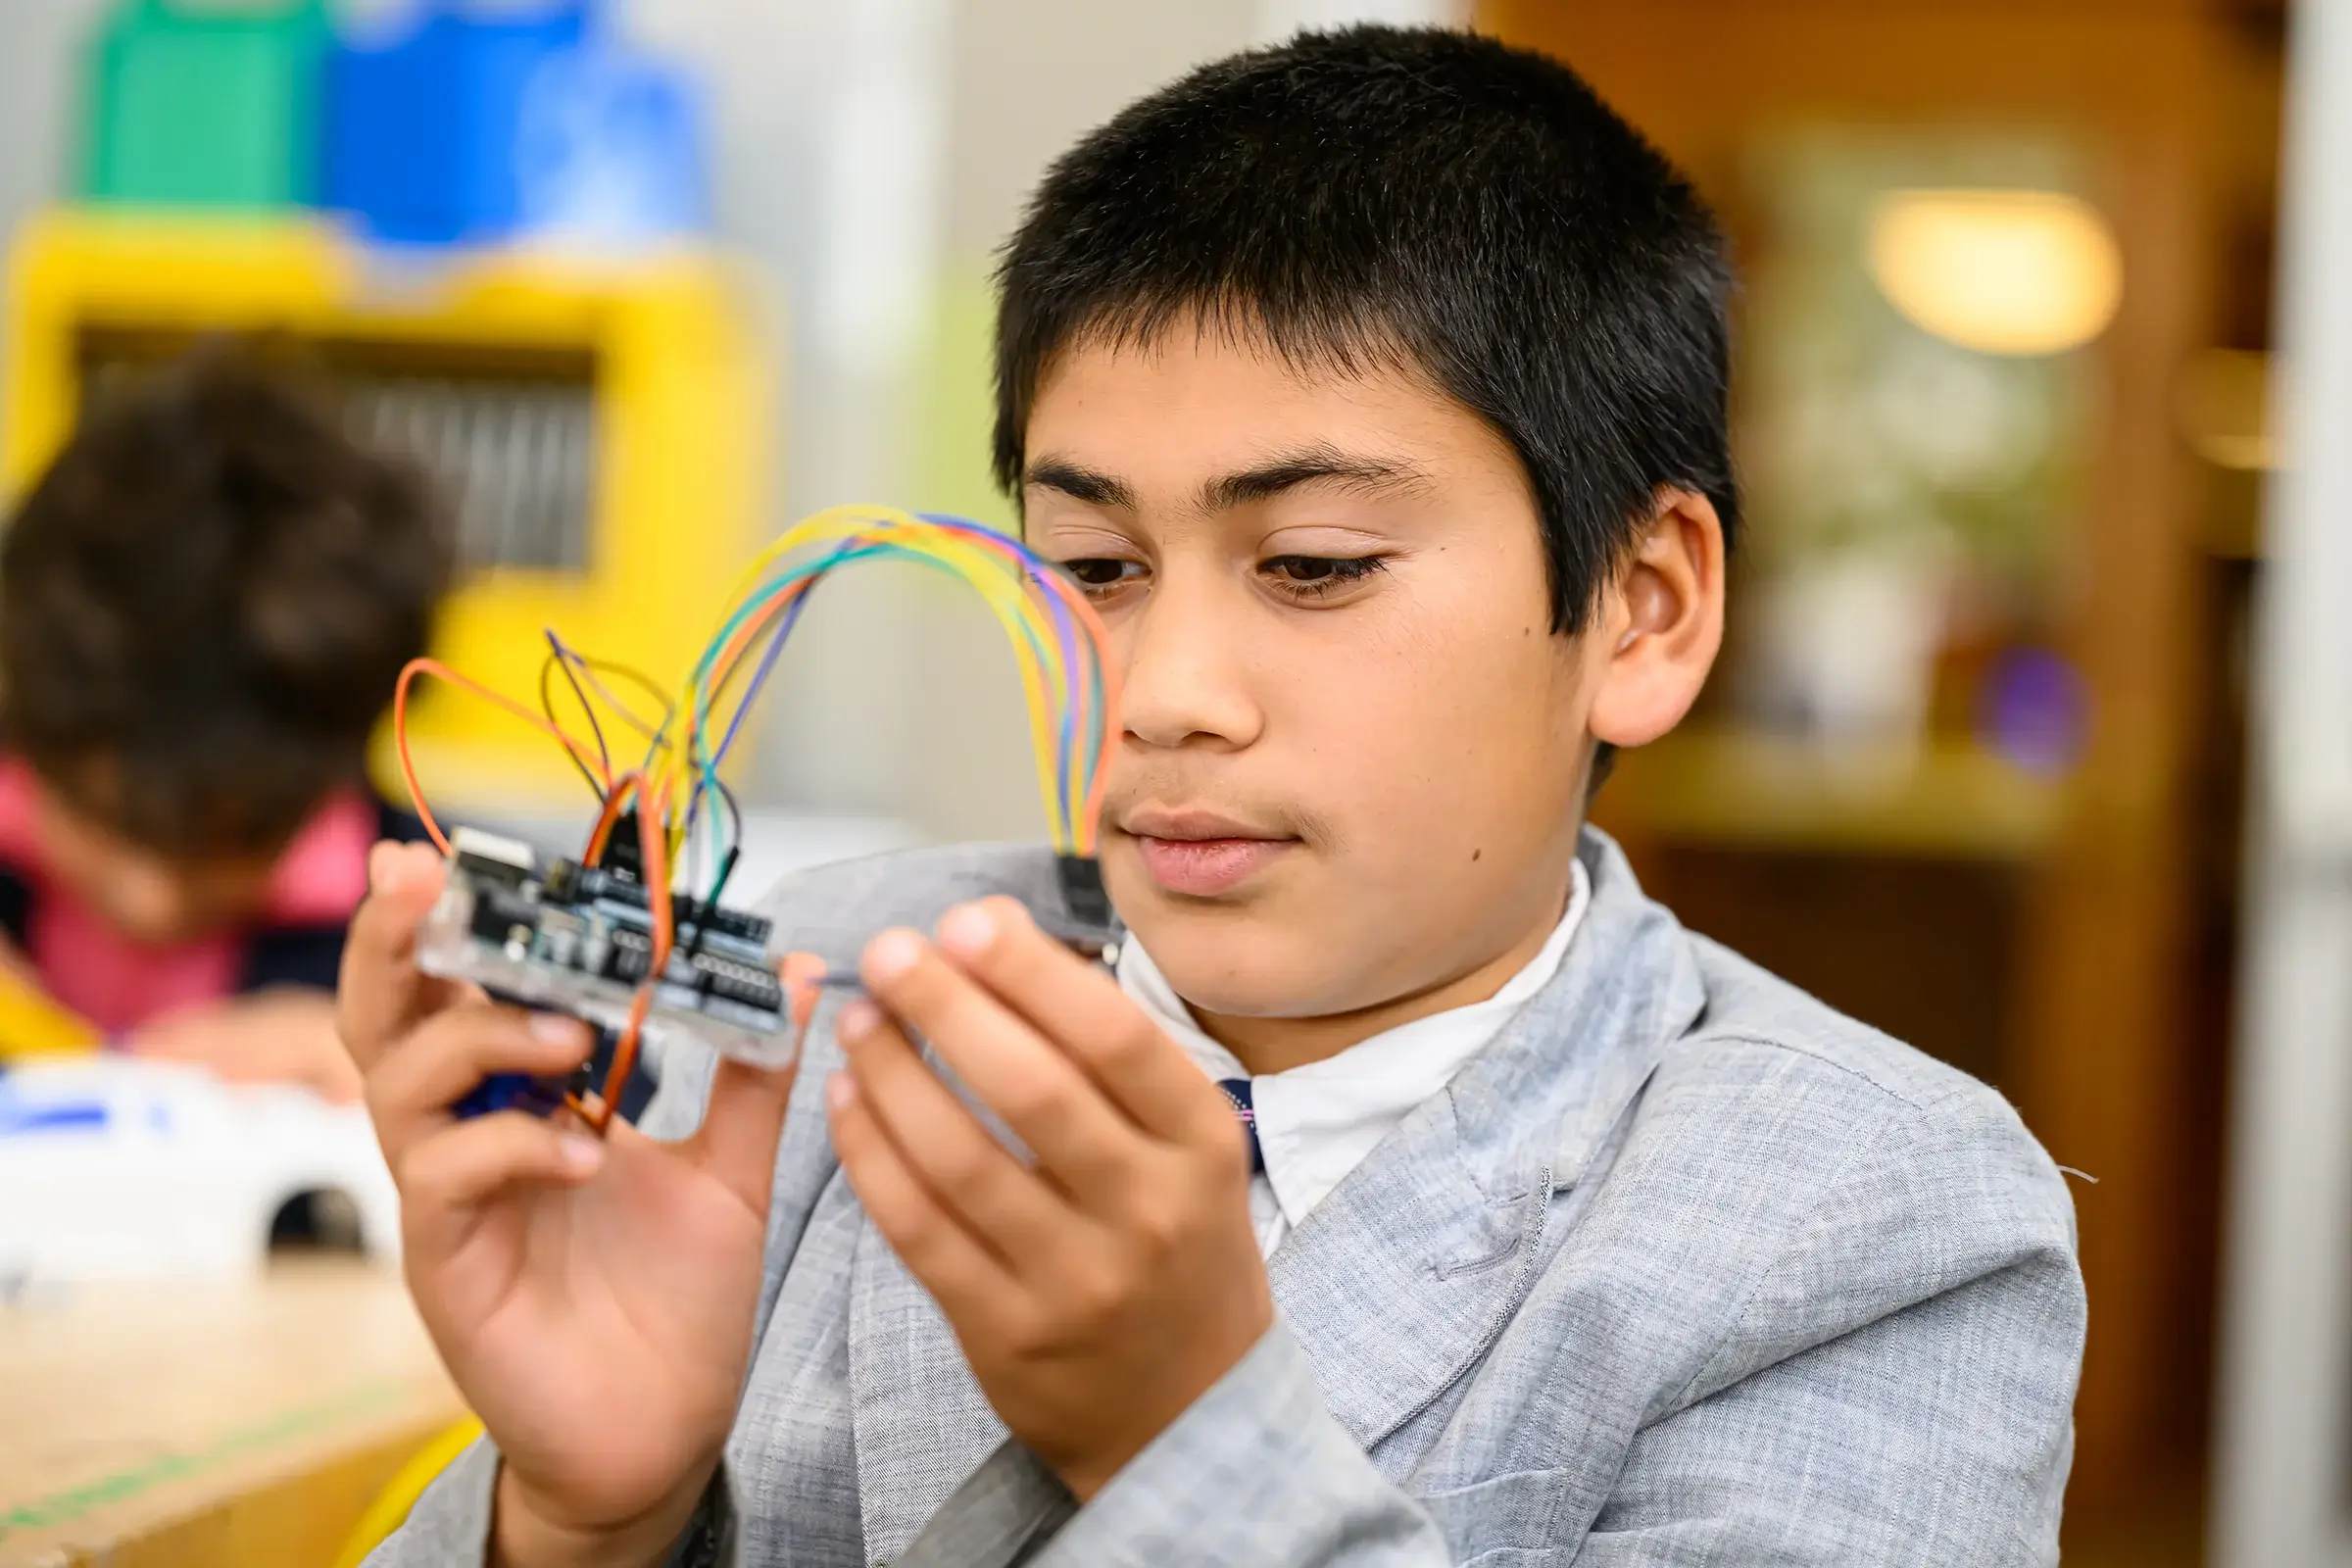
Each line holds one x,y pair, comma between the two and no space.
578,939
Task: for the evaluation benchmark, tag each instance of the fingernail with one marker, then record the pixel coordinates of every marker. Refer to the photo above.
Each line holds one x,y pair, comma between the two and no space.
857,1021
558,1030
840,1093
378,856
892,953
581,1152
966,930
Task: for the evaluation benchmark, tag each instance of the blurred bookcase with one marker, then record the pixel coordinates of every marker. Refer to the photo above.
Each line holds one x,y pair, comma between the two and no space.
595,424
2066,930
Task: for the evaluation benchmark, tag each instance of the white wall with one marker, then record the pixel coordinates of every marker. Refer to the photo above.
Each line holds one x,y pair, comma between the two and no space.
870,156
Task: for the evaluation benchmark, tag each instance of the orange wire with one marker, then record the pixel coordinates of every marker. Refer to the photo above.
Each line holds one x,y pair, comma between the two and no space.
616,801
408,763
658,907
652,814
725,666
722,667
1087,830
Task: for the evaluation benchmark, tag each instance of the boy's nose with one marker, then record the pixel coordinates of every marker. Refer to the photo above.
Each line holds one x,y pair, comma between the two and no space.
1182,679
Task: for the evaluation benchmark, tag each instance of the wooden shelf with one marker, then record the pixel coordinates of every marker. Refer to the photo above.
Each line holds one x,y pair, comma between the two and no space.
1758,790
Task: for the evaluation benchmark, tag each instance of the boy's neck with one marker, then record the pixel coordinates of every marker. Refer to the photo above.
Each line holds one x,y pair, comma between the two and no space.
1265,1046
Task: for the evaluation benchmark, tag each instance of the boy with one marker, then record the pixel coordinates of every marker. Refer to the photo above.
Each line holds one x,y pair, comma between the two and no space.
204,603
1374,384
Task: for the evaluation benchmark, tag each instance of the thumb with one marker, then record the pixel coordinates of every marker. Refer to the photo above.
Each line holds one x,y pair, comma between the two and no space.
380,991
744,1122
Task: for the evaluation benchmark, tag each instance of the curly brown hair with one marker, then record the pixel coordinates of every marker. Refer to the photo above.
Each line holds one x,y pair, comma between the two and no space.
205,601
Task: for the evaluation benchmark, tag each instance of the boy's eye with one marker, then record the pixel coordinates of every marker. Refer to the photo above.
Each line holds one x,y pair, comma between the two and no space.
1097,573
1310,576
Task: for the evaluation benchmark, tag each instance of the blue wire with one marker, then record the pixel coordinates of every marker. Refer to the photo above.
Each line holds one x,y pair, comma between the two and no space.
767,660
707,783
847,550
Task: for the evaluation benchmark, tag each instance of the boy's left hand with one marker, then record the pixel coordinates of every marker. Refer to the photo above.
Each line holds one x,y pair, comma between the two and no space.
1100,1290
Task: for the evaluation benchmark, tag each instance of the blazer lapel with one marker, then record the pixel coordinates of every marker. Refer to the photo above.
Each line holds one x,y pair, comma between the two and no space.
920,1420
1402,1277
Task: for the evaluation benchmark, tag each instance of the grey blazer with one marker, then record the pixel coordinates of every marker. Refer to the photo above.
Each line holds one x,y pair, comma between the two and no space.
1683,1269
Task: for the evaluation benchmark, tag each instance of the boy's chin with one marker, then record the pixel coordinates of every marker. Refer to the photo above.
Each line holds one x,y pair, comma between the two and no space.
1235,961
1246,954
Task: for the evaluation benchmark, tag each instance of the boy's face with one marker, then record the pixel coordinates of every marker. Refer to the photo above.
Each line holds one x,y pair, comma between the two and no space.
147,896
1356,753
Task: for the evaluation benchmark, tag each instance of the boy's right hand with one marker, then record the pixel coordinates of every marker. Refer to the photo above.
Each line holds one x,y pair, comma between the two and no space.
593,1301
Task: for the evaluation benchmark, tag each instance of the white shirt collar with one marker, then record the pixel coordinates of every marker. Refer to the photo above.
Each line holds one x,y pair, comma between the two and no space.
1316,1123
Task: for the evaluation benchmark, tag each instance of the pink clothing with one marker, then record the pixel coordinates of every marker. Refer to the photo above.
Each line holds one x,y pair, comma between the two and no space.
118,983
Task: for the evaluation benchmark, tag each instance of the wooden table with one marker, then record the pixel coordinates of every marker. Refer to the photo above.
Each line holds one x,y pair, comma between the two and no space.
227,1424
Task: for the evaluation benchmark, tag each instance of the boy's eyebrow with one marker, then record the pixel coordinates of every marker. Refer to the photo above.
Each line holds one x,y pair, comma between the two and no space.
1307,466
1089,485
1264,481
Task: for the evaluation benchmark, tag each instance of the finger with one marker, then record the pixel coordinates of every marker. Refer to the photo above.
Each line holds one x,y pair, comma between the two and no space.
1042,1093
411,1088
743,1127
337,1082
1000,1199
313,1058
1082,1010
743,1122
802,974
381,992
470,1162
951,1264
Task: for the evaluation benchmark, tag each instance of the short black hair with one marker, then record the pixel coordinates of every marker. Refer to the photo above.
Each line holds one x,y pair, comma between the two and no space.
205,601
1423,198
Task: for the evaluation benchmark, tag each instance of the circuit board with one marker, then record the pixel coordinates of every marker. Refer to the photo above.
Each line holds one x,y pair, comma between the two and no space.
579,940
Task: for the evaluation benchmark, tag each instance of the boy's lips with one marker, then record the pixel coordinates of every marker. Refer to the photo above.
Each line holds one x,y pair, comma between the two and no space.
1198,853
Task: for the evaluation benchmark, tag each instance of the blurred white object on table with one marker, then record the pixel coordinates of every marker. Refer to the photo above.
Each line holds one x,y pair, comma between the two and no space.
117,1168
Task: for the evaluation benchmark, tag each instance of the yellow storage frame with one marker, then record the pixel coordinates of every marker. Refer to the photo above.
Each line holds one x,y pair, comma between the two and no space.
680,403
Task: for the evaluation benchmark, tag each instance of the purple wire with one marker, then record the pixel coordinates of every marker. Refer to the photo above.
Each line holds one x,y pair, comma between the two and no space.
1065,632
1069,679
767,661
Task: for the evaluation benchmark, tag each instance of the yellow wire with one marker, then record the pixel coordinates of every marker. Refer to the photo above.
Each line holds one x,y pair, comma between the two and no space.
1027,626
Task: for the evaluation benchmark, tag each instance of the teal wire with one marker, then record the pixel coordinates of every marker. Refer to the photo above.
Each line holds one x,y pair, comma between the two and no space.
767,595
1069,644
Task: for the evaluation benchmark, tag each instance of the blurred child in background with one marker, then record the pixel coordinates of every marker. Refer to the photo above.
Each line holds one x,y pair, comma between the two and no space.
204,607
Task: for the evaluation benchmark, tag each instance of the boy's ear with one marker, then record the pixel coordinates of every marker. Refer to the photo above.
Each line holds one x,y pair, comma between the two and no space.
1659,624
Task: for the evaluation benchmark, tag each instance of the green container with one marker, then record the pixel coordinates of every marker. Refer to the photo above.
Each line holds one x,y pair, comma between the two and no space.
206,103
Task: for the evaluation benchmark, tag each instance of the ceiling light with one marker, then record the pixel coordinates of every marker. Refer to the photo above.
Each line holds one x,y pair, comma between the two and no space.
2000,271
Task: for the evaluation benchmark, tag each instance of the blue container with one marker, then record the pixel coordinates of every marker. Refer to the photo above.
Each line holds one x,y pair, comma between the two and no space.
611,153
423,126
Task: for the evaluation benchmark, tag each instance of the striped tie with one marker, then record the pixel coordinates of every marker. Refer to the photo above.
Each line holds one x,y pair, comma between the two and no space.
1237,1090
